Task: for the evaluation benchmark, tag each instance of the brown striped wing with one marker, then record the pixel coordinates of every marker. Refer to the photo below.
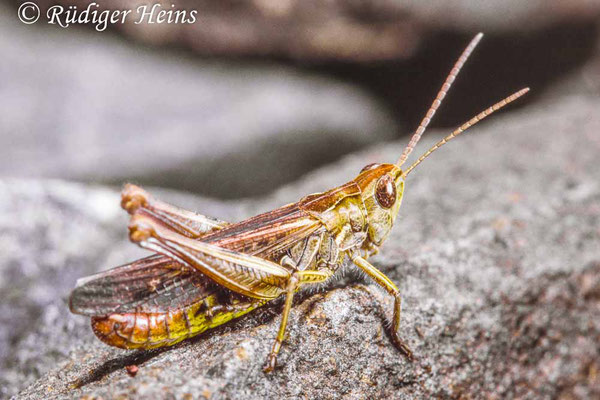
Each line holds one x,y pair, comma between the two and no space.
151,284
267,234
159,284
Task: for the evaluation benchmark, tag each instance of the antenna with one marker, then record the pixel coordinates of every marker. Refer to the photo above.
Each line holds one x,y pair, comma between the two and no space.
467,125
438,99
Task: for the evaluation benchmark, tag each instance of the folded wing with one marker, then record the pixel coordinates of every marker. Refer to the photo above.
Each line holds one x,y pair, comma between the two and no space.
151,284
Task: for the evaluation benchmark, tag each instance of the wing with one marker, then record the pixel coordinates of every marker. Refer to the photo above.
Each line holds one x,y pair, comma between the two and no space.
263,235
151,284
159,283
266,234
242,273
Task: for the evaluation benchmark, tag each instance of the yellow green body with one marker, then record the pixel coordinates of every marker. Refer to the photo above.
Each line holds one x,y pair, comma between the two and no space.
142,330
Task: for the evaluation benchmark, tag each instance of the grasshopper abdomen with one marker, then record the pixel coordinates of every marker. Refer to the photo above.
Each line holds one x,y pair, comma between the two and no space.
148,330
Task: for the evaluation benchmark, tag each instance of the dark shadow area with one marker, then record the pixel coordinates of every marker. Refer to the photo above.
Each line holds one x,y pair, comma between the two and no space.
259,169
135,358
500,65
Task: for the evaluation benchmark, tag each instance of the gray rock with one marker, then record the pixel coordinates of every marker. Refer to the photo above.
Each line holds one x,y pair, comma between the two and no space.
496,254
101,110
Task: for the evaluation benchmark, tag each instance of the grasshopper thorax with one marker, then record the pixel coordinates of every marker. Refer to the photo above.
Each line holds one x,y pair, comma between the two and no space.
382,187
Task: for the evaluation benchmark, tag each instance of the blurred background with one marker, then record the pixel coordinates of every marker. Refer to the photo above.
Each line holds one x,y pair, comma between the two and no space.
255,94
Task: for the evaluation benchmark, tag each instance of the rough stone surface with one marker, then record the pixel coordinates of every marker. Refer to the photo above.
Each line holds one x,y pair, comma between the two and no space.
342,30
87,106
496,254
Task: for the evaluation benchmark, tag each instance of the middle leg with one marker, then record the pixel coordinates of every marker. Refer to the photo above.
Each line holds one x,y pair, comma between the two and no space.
296,280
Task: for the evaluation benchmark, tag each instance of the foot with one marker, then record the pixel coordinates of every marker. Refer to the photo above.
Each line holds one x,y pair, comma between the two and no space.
400,345
271,363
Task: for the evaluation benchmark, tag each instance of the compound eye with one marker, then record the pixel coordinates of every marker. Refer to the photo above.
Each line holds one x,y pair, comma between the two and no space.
370,167
385,191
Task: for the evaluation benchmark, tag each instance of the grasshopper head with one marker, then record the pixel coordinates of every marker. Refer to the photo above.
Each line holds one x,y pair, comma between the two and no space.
382,186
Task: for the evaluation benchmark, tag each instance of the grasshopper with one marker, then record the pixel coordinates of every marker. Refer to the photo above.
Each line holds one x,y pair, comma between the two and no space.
206,272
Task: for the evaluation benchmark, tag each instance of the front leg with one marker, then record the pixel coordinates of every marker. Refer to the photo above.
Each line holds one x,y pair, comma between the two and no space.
385,282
